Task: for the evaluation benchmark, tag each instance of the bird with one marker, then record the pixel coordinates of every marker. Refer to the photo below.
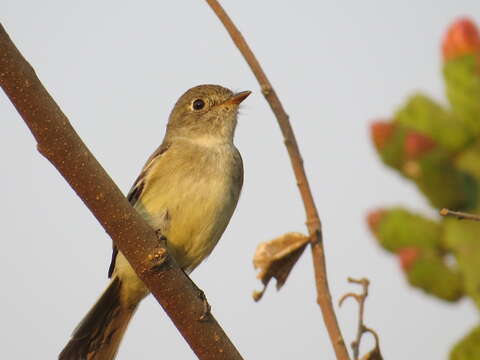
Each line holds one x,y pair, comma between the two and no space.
187,190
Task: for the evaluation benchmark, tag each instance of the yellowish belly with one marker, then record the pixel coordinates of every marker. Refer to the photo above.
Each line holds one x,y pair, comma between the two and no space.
192,219
191,199
190,196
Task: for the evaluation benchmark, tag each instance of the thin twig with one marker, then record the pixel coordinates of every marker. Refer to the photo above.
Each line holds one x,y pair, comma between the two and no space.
361,328
313,220
460,215
61,145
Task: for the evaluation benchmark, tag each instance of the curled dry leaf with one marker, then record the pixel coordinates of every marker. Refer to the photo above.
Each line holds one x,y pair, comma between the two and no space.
276,258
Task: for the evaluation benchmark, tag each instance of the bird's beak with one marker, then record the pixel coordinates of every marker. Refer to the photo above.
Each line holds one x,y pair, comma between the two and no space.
238,98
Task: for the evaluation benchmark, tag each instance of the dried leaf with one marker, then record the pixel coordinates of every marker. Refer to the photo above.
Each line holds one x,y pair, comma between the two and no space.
276,258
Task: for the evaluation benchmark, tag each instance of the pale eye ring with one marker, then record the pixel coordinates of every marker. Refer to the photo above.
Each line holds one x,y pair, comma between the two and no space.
198,104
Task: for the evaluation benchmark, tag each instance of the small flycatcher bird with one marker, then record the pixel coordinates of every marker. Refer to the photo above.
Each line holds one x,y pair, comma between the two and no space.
188,190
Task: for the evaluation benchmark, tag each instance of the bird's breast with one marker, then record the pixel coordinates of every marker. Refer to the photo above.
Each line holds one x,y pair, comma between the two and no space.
191,194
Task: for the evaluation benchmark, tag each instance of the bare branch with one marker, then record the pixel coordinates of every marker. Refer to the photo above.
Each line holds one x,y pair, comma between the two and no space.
313,220
60,144
460,215
361,328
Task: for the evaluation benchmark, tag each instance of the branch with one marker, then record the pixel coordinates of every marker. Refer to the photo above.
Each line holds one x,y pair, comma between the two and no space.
61,145
460,215
361,328
313,221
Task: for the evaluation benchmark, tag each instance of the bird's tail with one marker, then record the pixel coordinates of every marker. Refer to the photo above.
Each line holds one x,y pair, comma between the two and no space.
99,334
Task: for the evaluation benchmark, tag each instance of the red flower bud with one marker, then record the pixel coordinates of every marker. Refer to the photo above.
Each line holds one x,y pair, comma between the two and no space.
374,218
462,38
408,256
417,144
381,132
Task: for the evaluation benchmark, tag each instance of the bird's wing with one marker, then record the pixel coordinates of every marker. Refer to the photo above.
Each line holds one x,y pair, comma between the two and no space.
136,191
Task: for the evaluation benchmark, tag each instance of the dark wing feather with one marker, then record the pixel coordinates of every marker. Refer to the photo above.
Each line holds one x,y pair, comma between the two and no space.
135,193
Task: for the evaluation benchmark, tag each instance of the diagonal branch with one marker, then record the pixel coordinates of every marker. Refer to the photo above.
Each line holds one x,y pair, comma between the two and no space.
460,215
61,145
313,221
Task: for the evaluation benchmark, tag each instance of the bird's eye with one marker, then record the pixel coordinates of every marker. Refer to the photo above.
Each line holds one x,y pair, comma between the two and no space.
198,104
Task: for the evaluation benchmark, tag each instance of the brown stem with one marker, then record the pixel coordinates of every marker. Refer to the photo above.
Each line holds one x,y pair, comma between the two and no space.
61,145
361,307
361,328
460,215
313,221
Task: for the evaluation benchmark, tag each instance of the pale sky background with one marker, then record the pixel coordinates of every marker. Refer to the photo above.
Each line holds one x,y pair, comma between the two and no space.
116,68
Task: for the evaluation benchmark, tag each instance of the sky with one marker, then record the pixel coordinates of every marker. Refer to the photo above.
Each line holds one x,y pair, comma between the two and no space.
116,68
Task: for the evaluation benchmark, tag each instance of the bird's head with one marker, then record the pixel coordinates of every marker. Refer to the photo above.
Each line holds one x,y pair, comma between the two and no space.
206,111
